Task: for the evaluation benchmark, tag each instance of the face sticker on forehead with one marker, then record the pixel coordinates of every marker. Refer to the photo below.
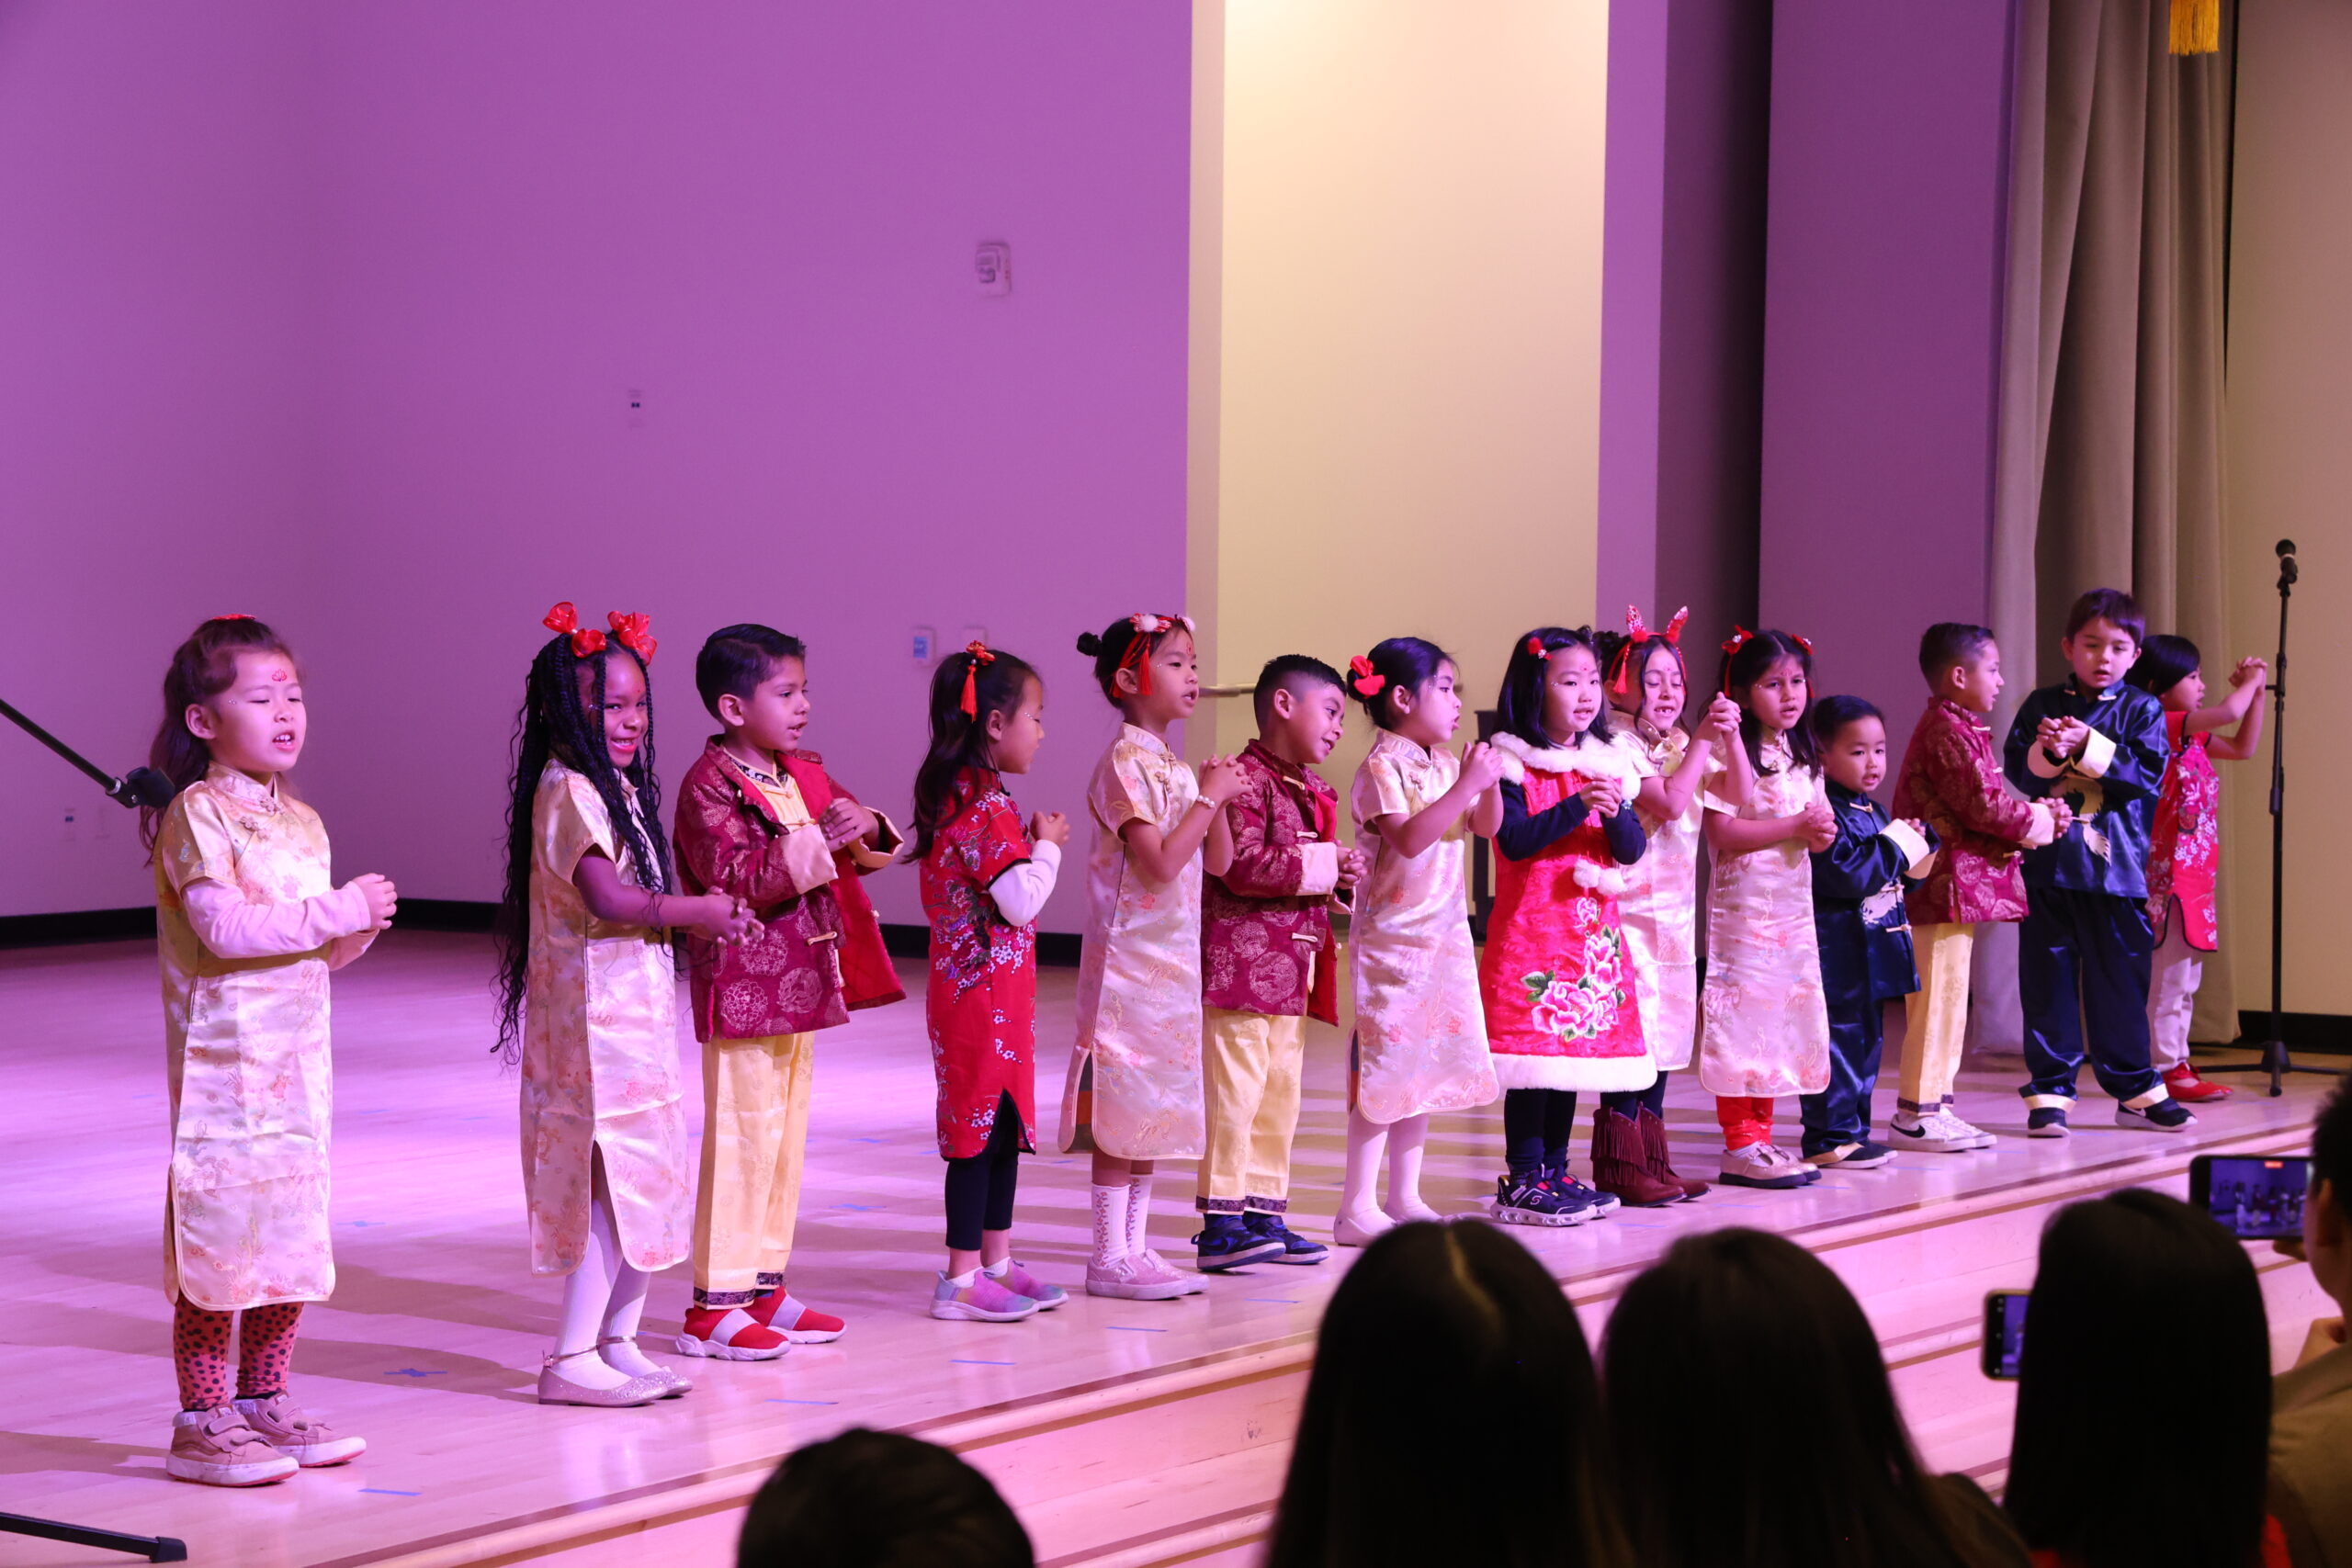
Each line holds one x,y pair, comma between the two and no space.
280,675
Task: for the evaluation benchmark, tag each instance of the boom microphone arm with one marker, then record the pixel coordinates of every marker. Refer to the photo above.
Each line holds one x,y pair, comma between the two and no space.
140,787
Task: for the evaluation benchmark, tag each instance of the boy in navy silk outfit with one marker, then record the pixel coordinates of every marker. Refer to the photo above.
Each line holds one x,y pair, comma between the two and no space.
2084,948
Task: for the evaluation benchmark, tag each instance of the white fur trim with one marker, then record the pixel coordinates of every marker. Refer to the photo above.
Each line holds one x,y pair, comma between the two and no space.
1607,879
1594,759
1586,1075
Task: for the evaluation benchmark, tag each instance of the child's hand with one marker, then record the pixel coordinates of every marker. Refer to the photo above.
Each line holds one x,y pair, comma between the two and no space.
1049,827
1603,797
382,898
846,822
2256,671
1222,779
1820,830
2062,816
1722,721
1482,768
2064,737
1353,868
727,920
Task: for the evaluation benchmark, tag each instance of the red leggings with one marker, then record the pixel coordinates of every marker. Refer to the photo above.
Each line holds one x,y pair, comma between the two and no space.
1745,1119
200,1352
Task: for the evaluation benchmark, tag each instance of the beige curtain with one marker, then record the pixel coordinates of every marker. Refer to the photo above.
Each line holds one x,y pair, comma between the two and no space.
2110,469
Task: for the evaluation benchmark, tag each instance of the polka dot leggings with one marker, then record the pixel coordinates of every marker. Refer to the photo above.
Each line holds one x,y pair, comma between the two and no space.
200,1352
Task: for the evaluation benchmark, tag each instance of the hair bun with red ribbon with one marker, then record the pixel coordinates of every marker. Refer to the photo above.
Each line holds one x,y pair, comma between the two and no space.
976,653
564,620
1368,681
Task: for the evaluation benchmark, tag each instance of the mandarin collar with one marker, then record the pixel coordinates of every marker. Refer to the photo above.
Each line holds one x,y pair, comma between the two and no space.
1144,738
230,781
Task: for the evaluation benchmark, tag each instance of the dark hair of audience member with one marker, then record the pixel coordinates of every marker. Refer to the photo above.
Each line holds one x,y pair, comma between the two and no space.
1806,1463
2100,1420
1452,1418
879,1500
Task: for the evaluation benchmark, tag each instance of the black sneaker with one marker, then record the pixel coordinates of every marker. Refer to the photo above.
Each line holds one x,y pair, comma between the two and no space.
1592,1198
1227,1243
1531,1201
1864,1156
2167,1115
1292,1248
2045,1122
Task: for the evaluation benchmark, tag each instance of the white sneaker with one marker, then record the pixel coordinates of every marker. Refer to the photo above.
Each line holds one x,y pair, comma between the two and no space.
1761,1164
1155,1265
1361,1227
1939,1131
1979,1138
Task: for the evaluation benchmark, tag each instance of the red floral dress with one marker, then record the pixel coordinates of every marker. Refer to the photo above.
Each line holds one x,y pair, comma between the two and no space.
1559,989
2185,847
981,1003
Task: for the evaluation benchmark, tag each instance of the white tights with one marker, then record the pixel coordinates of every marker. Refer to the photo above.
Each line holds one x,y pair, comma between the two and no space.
1403,1143
603,1299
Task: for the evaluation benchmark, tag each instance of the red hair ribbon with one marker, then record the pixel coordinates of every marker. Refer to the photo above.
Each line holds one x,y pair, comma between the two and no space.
1535,646
1673,633
1803,643
1739,635
633,631
1137,657
565,619
233,616
977,654
1371,682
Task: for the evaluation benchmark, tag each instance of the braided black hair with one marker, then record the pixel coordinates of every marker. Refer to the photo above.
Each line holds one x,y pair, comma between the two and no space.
555,724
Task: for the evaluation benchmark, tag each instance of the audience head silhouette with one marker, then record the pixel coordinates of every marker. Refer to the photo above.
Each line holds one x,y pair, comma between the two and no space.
879,1500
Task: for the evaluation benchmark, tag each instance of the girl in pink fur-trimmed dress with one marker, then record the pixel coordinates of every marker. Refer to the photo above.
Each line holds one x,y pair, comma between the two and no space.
1561,996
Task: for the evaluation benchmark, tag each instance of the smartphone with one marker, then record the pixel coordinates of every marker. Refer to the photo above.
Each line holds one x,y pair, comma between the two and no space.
2004,1344
2255,1197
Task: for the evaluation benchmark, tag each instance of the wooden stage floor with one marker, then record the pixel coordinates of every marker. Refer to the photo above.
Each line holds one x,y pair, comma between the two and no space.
432,1341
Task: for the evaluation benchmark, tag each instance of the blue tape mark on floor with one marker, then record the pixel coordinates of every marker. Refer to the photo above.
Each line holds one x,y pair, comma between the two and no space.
974,1361
1274,1300
804,1402
866,1140
1134,1328
390,1492
861,1208
364,1224
412,1373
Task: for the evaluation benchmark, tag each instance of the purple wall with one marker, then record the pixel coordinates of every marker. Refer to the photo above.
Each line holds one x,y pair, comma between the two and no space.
495,222
1883,280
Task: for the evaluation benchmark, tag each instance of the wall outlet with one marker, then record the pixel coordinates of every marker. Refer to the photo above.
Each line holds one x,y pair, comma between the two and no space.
992,263
636,408
924,644
73,825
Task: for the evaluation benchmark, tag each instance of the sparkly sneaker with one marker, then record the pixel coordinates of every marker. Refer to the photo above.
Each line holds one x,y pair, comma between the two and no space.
2164,1116
1296,1249
1133,1278
728,1334
1022,1282
1531,1201
1761,1164
982,1301
305,1440
1601,1204
799,1322
2046,1121
219,1448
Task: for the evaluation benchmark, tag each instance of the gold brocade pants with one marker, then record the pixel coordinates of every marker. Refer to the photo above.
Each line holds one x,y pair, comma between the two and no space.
755,1131
1250,1066
1935,1017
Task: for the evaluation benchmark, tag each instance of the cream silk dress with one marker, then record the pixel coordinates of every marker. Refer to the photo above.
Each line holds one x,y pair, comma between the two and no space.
1134,1088
600,1053
1420,1040
245,1041
1659,905
1763,1021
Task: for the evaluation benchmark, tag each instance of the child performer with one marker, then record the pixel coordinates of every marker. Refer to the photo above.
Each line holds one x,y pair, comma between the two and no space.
2084,954
1558,988
1763,1021
1421,1037
1951,780
1134,1091
250,925
1268,960
761,820
1647,689
983,884
2184,848
1860,927
588,993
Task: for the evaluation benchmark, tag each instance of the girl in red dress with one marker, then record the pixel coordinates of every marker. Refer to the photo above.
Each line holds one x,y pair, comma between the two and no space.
2185,846
984,881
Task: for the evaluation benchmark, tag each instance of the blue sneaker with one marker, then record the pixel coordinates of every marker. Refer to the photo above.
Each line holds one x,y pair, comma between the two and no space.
1225,1243
1296,1248
2164,1116
2045,1122
1600,1202
1531,1199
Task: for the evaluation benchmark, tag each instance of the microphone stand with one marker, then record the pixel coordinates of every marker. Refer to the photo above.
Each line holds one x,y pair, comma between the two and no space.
140,787
2276,1059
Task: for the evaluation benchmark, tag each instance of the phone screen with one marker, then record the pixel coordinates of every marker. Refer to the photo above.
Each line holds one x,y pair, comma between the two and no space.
2003,1332
2255,1197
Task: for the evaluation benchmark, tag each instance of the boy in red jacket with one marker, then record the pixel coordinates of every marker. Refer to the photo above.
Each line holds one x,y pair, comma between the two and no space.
1951,780
761,819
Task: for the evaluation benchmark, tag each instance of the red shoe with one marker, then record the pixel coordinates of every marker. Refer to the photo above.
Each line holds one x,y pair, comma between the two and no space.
728,1334
797,1320
2185,1086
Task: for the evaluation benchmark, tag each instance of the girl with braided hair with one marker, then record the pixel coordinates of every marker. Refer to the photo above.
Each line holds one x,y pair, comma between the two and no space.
588,1003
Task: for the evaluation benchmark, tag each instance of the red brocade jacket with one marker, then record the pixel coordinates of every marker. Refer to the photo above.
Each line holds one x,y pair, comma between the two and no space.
1266,943
1951,780
819,955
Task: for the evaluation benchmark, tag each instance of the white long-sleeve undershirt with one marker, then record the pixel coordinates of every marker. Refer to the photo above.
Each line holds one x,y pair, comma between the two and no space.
230,926
1020,892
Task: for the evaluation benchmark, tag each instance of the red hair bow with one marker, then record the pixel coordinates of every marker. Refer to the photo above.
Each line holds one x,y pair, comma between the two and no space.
565,620
1535,646
979,655
1138,654
1801,642
233,616
633,631
1739,635
1371,682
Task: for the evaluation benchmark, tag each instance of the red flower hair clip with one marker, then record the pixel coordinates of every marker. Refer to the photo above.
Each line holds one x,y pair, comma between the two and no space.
979,655
1740,636
564,620
633,631
1137,657
1368,681
231,615
1535,646
1804,643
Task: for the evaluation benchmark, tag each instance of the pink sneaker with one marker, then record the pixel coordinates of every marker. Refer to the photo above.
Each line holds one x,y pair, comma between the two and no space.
982,1301
1194,1284
1133,1278
219,1447
303,1437
1022,1282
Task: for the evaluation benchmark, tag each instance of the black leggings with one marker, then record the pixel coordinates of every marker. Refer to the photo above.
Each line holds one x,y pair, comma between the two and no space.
980,1187
1537,1122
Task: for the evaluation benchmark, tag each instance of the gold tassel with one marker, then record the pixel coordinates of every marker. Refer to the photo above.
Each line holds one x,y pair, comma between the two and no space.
2196,26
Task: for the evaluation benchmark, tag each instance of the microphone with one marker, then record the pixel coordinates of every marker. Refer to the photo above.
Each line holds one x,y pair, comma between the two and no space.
2284,547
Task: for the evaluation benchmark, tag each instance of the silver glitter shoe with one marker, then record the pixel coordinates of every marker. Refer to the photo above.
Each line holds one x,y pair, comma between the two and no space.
557,1389
672,1384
